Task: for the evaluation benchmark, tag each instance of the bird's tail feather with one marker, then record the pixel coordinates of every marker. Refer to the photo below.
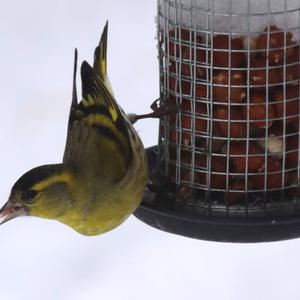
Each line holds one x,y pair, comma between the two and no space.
100,55
100,59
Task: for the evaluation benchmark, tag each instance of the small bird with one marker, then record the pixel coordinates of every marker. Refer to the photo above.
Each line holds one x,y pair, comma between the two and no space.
102,178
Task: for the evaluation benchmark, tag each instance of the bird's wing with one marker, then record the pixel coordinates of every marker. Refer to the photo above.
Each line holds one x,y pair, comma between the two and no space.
98,134
74,102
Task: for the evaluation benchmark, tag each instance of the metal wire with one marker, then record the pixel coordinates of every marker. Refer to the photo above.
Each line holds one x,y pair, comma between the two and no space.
239,99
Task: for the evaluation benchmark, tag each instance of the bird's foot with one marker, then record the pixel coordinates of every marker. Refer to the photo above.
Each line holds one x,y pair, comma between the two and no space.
158,111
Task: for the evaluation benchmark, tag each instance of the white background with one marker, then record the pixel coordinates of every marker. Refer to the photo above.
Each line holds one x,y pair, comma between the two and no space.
42,259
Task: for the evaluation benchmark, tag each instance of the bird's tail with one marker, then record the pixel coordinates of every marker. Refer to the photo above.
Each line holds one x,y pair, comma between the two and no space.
100,59
100,55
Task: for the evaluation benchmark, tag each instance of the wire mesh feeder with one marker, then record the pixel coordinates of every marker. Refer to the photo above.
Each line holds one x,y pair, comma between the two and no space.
227,166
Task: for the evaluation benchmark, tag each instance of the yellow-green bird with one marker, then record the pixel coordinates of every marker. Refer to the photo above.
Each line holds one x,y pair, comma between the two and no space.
104,172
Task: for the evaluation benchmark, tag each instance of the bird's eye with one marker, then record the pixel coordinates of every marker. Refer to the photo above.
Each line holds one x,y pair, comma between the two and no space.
29,195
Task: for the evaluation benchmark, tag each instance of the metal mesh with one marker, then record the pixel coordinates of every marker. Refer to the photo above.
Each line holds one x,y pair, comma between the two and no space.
233,67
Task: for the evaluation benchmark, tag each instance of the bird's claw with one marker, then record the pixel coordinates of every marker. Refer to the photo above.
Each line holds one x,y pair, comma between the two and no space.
158,110
154,106
162,110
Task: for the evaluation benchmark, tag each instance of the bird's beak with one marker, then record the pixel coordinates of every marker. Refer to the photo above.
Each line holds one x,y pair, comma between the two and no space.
11,210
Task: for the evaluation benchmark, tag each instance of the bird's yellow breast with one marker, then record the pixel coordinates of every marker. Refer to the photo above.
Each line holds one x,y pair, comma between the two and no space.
100,209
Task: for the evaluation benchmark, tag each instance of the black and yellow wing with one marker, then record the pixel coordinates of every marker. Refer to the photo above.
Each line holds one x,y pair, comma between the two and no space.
98,132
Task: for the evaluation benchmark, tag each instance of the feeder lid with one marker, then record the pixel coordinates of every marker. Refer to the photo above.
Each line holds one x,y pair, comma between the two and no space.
155,212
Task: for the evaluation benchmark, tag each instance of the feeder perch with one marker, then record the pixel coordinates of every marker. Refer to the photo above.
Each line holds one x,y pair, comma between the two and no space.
227,166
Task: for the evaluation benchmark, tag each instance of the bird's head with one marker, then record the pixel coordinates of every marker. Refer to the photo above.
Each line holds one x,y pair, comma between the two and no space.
41,192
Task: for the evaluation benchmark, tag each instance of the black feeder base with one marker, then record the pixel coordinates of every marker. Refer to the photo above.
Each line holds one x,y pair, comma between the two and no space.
153,212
